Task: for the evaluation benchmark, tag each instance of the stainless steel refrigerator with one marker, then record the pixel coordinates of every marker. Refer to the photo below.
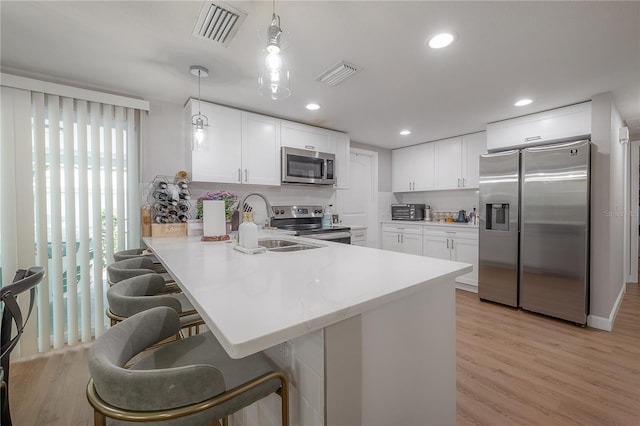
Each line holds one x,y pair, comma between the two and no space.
534,229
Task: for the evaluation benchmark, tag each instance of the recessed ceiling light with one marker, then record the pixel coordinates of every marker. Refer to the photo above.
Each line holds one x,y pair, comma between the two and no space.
440,40
312,107
405,132
523,102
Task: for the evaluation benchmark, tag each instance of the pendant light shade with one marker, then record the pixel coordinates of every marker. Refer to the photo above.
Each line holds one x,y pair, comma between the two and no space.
199,121
273,80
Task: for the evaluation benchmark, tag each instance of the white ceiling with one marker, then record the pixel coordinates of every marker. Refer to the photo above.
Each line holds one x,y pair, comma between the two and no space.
557,53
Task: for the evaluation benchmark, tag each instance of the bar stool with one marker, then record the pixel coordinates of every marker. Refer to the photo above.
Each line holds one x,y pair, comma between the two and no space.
138,252
13,317
190,381
139,265
136,294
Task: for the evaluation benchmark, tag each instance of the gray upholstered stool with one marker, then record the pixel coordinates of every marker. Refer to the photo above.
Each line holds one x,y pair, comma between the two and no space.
140,265
187,382
138,252
136,294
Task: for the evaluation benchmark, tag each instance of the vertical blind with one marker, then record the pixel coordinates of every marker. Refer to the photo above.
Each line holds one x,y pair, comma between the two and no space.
84,158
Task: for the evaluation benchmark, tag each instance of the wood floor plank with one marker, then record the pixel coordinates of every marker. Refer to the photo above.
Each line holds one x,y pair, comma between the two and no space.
513,368
549,371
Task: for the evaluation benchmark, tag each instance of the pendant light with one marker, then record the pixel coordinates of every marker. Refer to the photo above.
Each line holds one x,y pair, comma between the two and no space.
199,121
274,73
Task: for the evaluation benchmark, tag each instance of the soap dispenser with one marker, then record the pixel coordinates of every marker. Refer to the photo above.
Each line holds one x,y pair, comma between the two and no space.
326,218
248,232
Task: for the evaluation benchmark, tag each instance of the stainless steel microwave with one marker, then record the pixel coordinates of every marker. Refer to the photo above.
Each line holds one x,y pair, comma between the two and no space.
300,166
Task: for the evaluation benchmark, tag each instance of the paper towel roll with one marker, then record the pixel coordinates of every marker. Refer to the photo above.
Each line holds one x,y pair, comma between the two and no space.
213,219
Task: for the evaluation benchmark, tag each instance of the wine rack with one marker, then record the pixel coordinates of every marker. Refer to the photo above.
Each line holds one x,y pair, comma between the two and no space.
169,199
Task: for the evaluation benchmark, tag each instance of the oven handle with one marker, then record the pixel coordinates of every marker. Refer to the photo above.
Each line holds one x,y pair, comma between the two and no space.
328,236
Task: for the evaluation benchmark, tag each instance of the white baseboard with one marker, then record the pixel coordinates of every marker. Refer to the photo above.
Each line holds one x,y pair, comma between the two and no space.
467,285
606,324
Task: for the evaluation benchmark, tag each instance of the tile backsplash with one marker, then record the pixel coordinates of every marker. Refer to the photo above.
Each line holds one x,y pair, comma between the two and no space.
462,199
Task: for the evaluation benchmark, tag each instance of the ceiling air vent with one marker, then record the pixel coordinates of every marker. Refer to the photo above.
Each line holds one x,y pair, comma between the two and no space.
218,22
338,73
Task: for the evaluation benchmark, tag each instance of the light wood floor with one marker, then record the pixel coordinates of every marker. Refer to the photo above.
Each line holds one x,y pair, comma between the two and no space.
519,368
513,367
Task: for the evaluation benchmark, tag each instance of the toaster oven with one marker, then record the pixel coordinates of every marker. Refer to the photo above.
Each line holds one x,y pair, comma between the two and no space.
407,211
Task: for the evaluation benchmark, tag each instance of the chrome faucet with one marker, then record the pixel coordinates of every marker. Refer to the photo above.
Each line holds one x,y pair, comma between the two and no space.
266,202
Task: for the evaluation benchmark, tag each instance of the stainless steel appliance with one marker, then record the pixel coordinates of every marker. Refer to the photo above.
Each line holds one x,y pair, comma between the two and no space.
300,166
407,211
306,221
534,229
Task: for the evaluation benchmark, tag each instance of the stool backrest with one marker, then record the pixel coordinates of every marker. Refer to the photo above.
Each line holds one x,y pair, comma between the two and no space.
24,280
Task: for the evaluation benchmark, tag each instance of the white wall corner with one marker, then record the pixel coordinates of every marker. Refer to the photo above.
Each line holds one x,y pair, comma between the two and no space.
606,324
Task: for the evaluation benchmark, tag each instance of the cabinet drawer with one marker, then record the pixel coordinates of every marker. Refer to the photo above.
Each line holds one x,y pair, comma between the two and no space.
402,229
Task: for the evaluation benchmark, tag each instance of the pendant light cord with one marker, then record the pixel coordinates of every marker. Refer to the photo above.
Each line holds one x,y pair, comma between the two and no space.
199,92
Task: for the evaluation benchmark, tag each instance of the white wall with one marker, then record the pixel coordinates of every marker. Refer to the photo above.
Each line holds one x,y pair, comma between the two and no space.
607,213
162,148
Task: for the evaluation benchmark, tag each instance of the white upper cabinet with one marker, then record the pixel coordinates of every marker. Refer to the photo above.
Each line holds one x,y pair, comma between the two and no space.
473,146
242,147
457,161
260,149
448,163
302,136
451,163
412,168
222,159
562,123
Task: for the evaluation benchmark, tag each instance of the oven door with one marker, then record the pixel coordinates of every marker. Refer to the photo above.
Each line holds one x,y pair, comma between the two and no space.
336,237
311,167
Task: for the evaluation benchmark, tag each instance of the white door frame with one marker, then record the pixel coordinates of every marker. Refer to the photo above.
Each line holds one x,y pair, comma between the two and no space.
631,208
372,226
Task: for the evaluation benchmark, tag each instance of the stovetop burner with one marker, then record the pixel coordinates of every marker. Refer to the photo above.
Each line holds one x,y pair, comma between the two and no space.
304,220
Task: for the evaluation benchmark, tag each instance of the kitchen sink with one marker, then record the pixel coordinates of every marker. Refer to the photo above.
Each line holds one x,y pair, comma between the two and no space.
284,245
271,244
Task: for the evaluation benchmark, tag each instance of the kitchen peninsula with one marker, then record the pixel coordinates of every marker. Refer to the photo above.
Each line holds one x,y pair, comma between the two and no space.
388,319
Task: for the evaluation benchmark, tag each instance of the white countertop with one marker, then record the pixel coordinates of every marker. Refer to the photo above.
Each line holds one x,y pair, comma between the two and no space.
466,225
253,302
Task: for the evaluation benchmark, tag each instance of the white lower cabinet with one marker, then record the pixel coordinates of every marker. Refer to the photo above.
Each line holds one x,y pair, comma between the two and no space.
402,238
460,246
359,237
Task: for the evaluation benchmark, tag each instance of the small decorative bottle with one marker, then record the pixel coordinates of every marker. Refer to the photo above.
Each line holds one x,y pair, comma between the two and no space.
248,232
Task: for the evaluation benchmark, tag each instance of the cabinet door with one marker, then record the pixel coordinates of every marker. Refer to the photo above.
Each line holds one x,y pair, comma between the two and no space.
561,123
391,241
422,166
466,251
260,149
359,237
436,246
221,161
411,244
401,165
448,163
473,146
343,159
306,137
